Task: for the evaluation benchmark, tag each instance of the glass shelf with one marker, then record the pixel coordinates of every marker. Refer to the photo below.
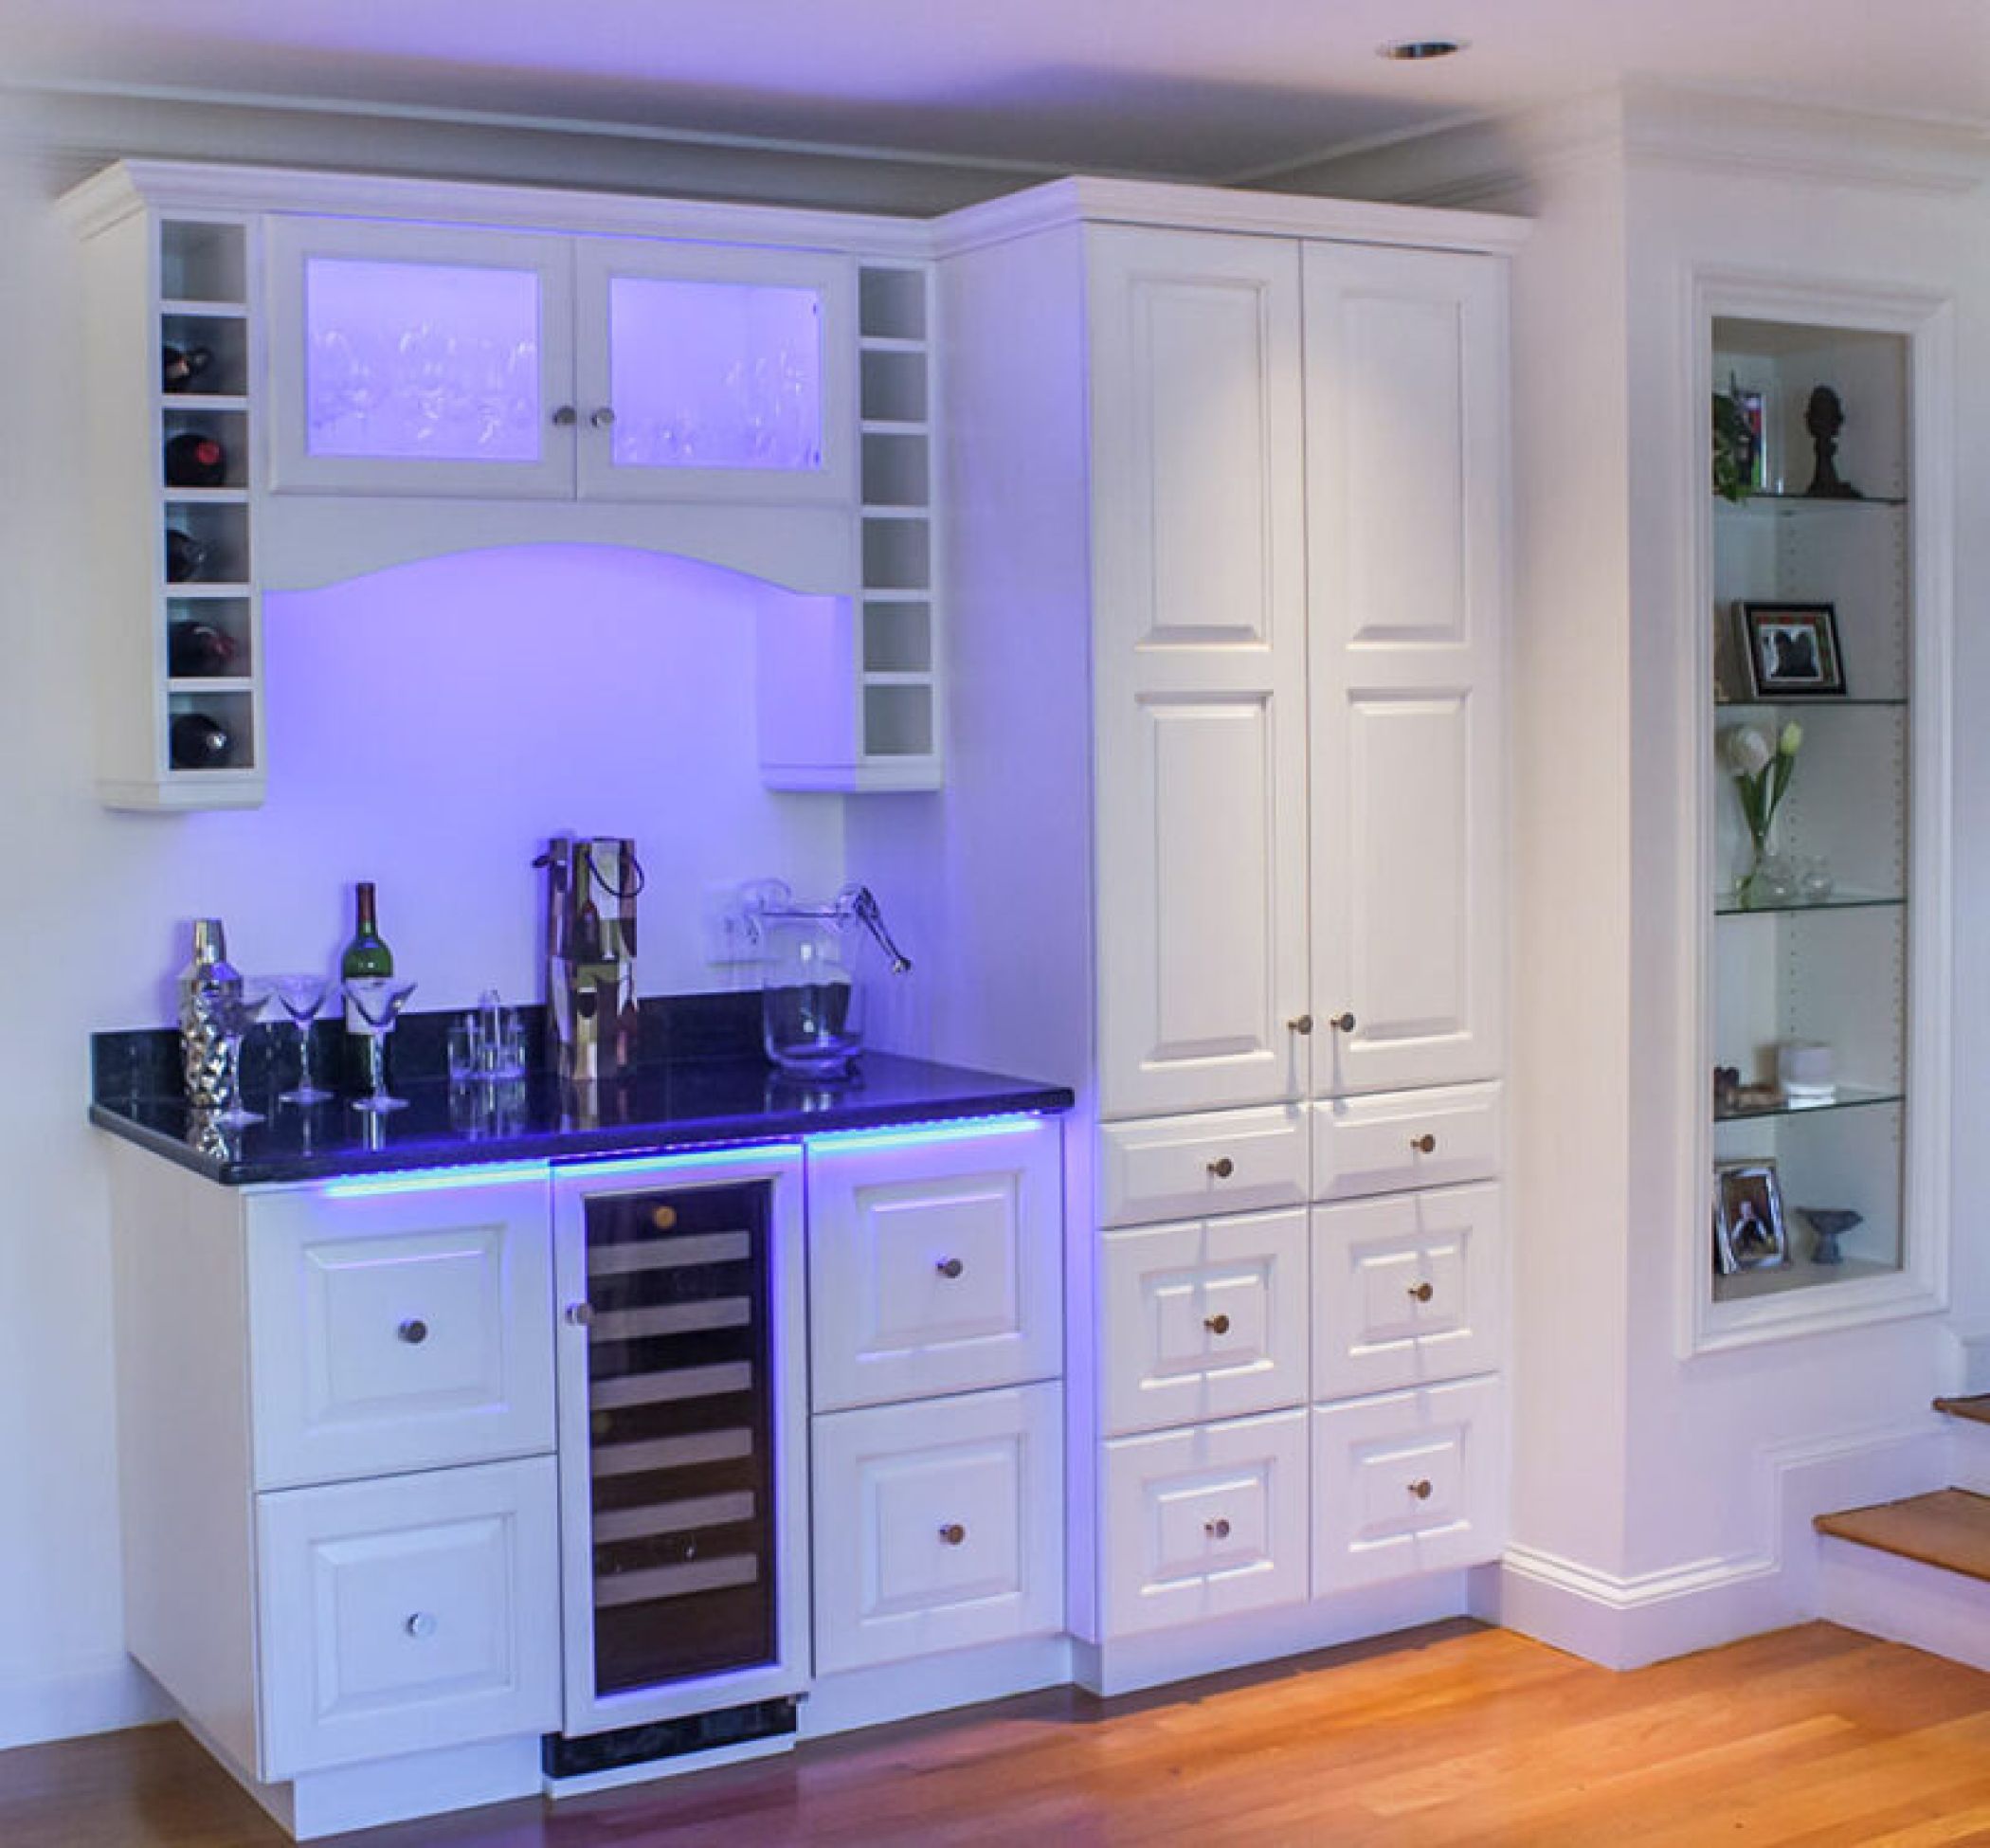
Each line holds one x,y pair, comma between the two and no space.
1781,506
1740,1285
1728,905
1851,1096
1809,701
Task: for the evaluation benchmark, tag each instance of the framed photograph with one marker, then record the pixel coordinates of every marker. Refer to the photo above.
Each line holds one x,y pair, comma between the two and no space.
1789,650
1749,1230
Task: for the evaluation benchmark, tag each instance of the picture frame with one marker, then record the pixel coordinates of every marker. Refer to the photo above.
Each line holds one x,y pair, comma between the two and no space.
1790,650
1749,1232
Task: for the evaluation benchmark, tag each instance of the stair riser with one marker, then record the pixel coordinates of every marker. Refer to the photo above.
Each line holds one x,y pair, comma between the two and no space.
1883,1595
1969,1456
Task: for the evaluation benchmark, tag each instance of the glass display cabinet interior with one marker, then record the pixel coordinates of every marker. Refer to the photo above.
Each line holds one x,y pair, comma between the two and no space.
1824,933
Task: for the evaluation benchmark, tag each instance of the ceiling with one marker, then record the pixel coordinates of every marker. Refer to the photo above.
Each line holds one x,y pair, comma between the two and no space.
1218,90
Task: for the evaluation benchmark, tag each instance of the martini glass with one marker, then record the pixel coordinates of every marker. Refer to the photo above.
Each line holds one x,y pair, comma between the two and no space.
235,1012
301,996
378,1000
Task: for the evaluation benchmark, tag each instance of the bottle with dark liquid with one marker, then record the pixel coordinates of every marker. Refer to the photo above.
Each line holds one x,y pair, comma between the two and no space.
199,741
366,954
185,556
195,460
198,650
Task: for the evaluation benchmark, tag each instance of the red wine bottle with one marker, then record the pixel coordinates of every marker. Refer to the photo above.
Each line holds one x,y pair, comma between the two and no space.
198,741
195,460
194,650
185,556
180,366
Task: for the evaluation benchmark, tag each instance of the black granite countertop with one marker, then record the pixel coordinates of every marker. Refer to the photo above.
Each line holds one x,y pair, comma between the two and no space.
713,1091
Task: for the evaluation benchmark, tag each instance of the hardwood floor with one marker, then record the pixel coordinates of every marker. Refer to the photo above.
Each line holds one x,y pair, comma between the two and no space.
1453,1734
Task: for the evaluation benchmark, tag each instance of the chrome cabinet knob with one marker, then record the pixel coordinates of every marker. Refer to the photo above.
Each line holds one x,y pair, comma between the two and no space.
1223,1168
414,1330
1218,1528
1422,1292
421,1625
1341,1022
1218,1324
603,419
1425,1144
949,1267
1420,1487
953,1533
566,417
1299,1024
580,1314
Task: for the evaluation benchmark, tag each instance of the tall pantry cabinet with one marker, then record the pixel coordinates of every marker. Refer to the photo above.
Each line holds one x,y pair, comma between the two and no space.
1230,576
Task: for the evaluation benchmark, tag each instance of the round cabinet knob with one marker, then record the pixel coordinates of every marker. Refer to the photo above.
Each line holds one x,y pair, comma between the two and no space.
1343,1023
421,1625
1218,1528
1422,1292
414,1331
1425,1144
1300,1023
1223,1168
603,419
664,1218
580,1314
949,1267
953,1533
1420,1487
566,417
1217,1324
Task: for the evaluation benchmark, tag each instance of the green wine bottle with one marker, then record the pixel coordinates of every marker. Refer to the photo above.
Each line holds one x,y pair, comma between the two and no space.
366,954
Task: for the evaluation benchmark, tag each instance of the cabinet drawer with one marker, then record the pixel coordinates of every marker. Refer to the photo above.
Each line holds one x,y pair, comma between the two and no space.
1407,1289
398,1615
1230,1161
399,1330
1205,1522
940,1525
937,1268
1403,1139
1203,1321
1407,1482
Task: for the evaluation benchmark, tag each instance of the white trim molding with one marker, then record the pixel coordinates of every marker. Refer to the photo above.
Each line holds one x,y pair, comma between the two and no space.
100,1696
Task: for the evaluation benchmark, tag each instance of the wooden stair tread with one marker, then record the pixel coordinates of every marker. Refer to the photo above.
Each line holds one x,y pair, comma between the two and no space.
1949,1529
1977,1408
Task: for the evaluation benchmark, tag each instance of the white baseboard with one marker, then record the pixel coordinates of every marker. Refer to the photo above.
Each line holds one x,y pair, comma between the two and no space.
102,1696
934,1684
1624,1621
1883,1595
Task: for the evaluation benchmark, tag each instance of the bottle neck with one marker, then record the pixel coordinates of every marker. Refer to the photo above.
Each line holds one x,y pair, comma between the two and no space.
366,927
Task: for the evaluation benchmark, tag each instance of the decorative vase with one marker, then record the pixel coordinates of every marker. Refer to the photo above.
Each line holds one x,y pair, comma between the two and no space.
1770,880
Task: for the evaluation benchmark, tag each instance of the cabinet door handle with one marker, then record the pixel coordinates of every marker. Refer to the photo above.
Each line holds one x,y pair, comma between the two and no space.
1301,1024
420,1627
603,419
566,417
1217,1324
414,1330
1218,1528
1420,1487
1425,1144
580,1314
1223,1168
953,1533
1341,1022
949,1267
1422,1292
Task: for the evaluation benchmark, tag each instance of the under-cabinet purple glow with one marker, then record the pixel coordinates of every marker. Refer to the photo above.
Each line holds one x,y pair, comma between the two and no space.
430,361
714,374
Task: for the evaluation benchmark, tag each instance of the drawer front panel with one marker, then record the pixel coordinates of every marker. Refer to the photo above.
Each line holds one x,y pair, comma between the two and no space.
1230,1161
935,1268
399,1330
404,1615
940,1526
1203,1321
1205,1523
1402,1139
1407,1289
1408,1482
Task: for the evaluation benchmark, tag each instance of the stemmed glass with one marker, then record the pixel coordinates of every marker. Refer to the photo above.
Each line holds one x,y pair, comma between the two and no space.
235,1012
379,1000
301,996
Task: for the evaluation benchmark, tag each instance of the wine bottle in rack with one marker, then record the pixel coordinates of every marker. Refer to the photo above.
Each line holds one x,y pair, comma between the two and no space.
198,650
185,556
195,460
199,741
366,954
181,367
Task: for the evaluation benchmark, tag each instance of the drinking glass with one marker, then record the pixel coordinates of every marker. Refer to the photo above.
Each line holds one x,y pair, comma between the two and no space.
301,995
235,1012
379,1000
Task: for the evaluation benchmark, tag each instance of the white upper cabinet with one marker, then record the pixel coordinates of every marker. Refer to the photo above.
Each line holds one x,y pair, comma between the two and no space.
1200,600
430,360
1405,445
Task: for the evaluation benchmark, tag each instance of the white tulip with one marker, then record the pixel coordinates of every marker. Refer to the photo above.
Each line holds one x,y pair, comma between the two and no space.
1792,739
1749,753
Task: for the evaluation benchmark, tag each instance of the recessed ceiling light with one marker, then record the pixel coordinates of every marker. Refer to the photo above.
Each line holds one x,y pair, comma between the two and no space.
1415,50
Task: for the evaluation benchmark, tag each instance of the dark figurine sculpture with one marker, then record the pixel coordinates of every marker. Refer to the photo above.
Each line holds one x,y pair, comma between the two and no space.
1824,417
1831,1224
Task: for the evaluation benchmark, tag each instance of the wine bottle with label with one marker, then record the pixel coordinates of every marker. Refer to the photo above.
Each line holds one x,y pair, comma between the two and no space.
366,954
195,460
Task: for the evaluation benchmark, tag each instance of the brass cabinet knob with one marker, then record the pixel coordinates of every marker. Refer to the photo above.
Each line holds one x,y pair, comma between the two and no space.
949,1267
1218,1528
1341,1022
414,1330
1423,1291
1223,1168
566,417
1217,1324
1300,1023
664,1218
1425,1144
953,1533
603,419
579,1314
1420,1487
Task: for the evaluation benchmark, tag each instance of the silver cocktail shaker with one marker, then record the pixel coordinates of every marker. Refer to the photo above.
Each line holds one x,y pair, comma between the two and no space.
205,985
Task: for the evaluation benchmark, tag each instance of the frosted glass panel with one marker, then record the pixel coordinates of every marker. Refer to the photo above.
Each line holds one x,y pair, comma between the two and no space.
714,374
428,361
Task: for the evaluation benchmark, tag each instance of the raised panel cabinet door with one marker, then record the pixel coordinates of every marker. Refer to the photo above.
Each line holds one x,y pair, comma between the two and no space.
392,1331
1203,1321
419,359
1407,1289
933,1267
938,1526
706,373
405,1614
1406,463
1200,669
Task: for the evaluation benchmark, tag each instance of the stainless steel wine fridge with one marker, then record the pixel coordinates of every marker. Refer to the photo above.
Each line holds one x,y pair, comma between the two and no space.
683,1445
